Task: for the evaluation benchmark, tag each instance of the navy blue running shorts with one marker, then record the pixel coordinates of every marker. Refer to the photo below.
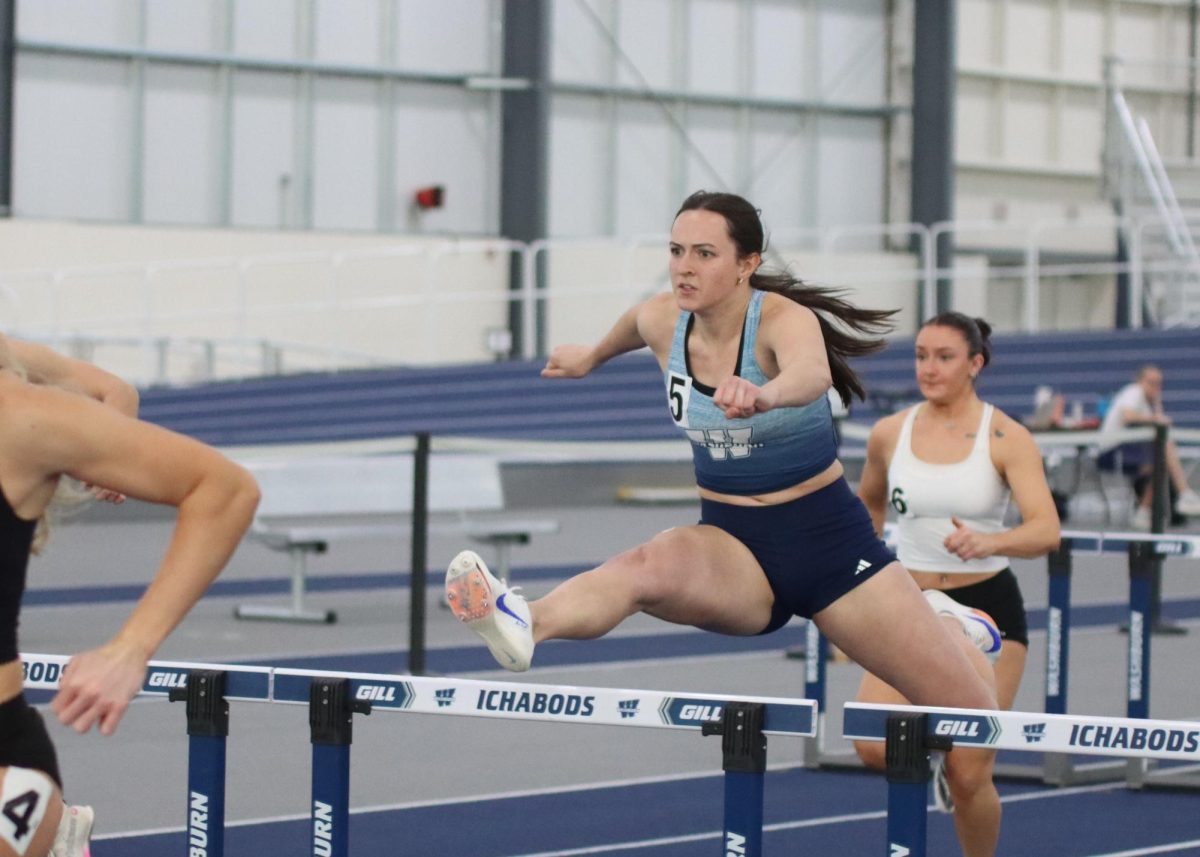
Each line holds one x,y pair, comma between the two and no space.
813,549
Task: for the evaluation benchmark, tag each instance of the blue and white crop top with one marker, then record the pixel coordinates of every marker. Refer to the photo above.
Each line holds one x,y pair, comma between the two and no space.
766,452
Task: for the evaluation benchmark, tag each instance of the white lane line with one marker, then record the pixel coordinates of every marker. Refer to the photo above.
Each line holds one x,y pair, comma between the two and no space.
1153,849
607,784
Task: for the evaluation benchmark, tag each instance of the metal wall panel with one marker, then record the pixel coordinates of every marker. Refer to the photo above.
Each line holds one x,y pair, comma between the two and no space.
72,138
850,181
721,72
263,151
346,125
99,22
186,25
581,185
181,145
328,114
645,196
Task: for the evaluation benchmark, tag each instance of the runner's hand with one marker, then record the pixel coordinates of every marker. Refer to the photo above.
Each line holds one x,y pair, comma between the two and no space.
569,361
740,399
97,686
965,543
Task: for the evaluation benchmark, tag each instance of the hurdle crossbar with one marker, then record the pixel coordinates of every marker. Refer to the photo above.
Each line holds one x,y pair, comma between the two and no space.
470,697
1144,552
1173,545
1175,740
1132,738
332,698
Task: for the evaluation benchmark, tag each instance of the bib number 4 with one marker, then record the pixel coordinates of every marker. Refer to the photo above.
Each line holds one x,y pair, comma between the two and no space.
20,812
25,794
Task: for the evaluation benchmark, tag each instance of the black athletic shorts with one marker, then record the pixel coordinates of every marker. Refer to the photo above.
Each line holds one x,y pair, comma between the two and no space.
1000,597
24,741
813,549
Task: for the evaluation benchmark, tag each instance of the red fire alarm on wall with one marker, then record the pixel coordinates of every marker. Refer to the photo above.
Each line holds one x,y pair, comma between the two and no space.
429,197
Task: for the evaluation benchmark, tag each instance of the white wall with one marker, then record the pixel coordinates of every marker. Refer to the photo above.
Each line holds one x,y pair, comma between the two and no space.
124,118
325,299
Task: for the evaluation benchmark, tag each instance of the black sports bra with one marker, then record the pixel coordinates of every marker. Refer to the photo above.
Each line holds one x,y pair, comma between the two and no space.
16,537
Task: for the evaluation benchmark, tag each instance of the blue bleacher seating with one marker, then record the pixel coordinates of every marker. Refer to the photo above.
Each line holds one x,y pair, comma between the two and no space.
624,400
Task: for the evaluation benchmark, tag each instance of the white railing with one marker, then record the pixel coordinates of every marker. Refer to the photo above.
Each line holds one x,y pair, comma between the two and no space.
1135,169
188,320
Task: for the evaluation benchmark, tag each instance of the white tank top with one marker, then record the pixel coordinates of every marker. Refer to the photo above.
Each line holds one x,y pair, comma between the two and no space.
926,495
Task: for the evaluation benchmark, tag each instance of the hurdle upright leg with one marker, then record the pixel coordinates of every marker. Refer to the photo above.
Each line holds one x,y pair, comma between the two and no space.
208,730
1057,768
816,655
331,711
744,752
908,775
1144,565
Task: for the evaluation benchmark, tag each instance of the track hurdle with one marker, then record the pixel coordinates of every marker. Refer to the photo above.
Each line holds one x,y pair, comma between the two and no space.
912,732
1146,553
206,695
333,698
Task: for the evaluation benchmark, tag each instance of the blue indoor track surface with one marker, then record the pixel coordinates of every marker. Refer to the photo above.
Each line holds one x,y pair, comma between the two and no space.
806,813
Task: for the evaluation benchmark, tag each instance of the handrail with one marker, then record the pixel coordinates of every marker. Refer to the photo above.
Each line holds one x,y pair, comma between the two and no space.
1170,201
1143,162
1131,136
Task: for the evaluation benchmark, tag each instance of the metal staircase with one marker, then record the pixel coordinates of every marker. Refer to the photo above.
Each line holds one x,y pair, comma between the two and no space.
1158,200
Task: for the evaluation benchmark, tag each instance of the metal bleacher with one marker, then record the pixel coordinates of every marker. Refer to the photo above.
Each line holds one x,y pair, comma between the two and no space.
624,399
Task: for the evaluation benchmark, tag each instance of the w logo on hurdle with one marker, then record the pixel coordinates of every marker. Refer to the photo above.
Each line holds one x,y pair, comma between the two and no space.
444,697
1034,732
628,708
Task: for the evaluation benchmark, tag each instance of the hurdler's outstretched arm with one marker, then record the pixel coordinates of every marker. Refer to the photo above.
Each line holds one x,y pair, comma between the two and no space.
640,325
46,366
63,433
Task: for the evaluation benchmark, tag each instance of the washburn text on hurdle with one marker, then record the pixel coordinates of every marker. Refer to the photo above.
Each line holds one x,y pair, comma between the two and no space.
197,825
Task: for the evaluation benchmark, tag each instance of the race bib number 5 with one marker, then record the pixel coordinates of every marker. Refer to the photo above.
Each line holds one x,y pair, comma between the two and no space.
679,393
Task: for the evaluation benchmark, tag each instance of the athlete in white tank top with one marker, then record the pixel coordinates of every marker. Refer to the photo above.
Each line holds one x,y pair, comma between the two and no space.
926,497
946,469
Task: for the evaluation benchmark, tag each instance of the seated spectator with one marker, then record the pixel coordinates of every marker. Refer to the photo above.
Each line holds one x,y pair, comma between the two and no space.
1140,404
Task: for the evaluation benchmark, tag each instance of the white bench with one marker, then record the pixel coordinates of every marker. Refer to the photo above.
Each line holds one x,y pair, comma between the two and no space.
308,503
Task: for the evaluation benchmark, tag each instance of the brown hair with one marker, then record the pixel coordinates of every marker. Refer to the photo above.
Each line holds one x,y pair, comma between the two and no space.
865,326
975,331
